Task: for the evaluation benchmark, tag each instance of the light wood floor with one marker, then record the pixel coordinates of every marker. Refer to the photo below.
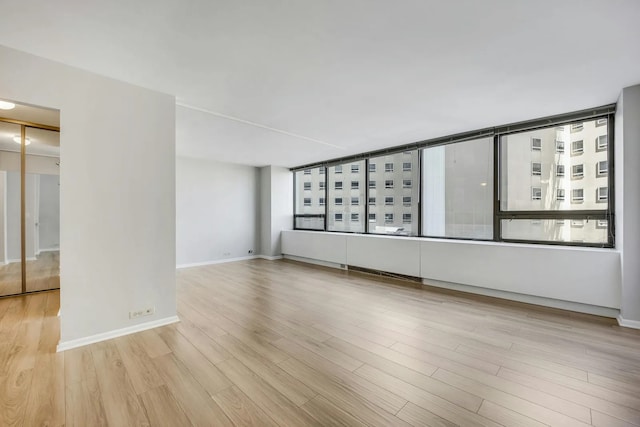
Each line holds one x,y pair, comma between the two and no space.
274,343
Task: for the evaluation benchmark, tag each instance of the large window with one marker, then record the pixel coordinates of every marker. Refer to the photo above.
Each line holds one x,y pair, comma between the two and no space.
457,190
532,203
310,197
346,213
554,180
394,216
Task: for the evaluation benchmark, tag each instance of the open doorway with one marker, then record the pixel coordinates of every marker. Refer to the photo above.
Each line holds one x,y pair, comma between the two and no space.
29,199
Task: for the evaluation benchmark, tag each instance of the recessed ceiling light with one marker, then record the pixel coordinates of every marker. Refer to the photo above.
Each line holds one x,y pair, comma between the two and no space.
5,105
17,139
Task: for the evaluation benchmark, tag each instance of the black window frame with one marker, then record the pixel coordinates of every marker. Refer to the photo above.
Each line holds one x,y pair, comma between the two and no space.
603,115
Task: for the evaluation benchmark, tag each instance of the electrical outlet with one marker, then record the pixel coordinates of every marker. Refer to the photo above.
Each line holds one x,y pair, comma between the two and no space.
250,251
144,312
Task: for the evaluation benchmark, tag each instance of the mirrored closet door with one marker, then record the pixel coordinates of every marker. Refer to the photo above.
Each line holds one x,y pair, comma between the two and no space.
29,201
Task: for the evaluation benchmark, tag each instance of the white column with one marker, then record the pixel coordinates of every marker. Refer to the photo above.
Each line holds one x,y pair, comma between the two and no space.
627,192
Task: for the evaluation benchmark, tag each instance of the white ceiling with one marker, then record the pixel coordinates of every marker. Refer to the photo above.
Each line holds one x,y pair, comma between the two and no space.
289,82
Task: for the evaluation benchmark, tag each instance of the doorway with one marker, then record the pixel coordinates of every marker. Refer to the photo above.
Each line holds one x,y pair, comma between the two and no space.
29,199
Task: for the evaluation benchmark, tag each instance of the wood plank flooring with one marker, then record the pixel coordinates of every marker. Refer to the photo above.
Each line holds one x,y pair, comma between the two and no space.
277,343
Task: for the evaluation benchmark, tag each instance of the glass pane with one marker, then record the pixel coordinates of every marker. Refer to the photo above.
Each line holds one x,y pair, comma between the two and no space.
346,197
457,194
551,230
10,252
394,194
556,168
42,209
310,199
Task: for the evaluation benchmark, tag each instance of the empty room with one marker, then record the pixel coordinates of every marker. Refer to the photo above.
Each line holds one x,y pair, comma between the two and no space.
327,213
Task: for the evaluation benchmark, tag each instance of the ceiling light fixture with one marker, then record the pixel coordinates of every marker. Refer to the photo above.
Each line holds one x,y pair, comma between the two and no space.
5,105
18,140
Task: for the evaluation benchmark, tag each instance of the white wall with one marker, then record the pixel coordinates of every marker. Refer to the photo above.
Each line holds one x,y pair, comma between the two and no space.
217,211
276,208
627,155
117,192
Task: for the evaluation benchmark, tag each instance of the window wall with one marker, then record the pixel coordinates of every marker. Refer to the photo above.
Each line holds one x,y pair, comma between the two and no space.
545,181
394,199
458,190
544,202
310,194
347,192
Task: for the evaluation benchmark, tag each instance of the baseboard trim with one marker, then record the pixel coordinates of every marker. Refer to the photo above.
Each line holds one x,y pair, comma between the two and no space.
270,257
49,250
11,261
316,262
216,261
635,324
529,299
92,339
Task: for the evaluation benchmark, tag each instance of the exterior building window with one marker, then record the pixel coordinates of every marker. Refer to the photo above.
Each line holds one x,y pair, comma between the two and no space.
355,217
388,218
577,195
355,185
307,201
536,193
372,167
355,201
577,171
337,217
372,201
406,200
321,200
536,144
406,183
388,183
337,169
388,167
307,186
388,201
577,147
355,168
372,217
603,168
602,194
321,171
601,142
406,218
559,146
338,201
576,127
372,184
406,166
321,184
560,194
307,171
338,185
560,170
601,122
536,169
